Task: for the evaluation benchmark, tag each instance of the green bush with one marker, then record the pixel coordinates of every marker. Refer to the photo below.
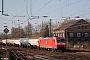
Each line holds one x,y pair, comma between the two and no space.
86,45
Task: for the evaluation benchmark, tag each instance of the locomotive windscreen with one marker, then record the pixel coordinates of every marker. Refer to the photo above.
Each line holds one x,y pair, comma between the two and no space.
60,40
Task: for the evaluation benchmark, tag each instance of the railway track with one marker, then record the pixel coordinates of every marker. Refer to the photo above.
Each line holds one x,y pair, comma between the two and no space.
35,54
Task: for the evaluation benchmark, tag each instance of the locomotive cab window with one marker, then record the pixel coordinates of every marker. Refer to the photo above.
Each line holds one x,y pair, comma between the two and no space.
60,40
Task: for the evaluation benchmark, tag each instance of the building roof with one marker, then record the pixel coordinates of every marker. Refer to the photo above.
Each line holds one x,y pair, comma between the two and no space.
67,24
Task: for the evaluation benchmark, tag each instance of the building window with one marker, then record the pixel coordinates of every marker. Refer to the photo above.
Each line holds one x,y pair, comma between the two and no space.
82,27
85,27
78,27
54,34
71,35
86,35
60,34
63,35
78,34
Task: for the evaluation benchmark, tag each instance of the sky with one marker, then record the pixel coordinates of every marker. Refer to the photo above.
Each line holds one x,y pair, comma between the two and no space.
55,9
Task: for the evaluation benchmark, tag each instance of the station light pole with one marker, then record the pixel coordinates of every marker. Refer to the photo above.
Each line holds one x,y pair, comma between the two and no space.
50,29
3,9
19,28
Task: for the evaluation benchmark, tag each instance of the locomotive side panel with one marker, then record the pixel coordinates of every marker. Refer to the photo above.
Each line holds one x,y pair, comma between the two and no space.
47,43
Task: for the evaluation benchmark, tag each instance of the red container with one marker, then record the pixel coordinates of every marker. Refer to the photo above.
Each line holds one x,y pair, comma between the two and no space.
53,43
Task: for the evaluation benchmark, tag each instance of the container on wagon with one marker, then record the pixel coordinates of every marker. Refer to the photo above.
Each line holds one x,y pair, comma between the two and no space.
11,42
24,41
34,42
17,42
4,41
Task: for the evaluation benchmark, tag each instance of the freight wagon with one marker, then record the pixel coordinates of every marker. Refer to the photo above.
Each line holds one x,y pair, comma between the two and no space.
9,42
54,43
3,42
34,43
17,42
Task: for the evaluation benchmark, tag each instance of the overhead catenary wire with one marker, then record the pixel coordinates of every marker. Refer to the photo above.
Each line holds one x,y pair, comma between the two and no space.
12,4
13,16
37,12
27,8
31,7
43,6
84,14
17,9
17,14
21,11
52,16
47,14
80,11
31,4
63,7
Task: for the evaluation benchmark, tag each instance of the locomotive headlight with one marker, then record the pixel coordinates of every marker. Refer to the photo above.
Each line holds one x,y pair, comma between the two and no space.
61,43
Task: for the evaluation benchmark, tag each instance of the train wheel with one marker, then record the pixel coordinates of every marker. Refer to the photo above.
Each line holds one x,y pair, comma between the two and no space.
31,47
38,47
28,46
53,50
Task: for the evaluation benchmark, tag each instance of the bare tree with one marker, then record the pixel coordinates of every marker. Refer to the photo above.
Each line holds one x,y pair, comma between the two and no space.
28,30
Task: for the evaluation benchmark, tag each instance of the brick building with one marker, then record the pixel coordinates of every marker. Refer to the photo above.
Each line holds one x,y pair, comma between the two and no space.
75,31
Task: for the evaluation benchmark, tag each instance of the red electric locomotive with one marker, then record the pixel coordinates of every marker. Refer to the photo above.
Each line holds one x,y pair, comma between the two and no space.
54,43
